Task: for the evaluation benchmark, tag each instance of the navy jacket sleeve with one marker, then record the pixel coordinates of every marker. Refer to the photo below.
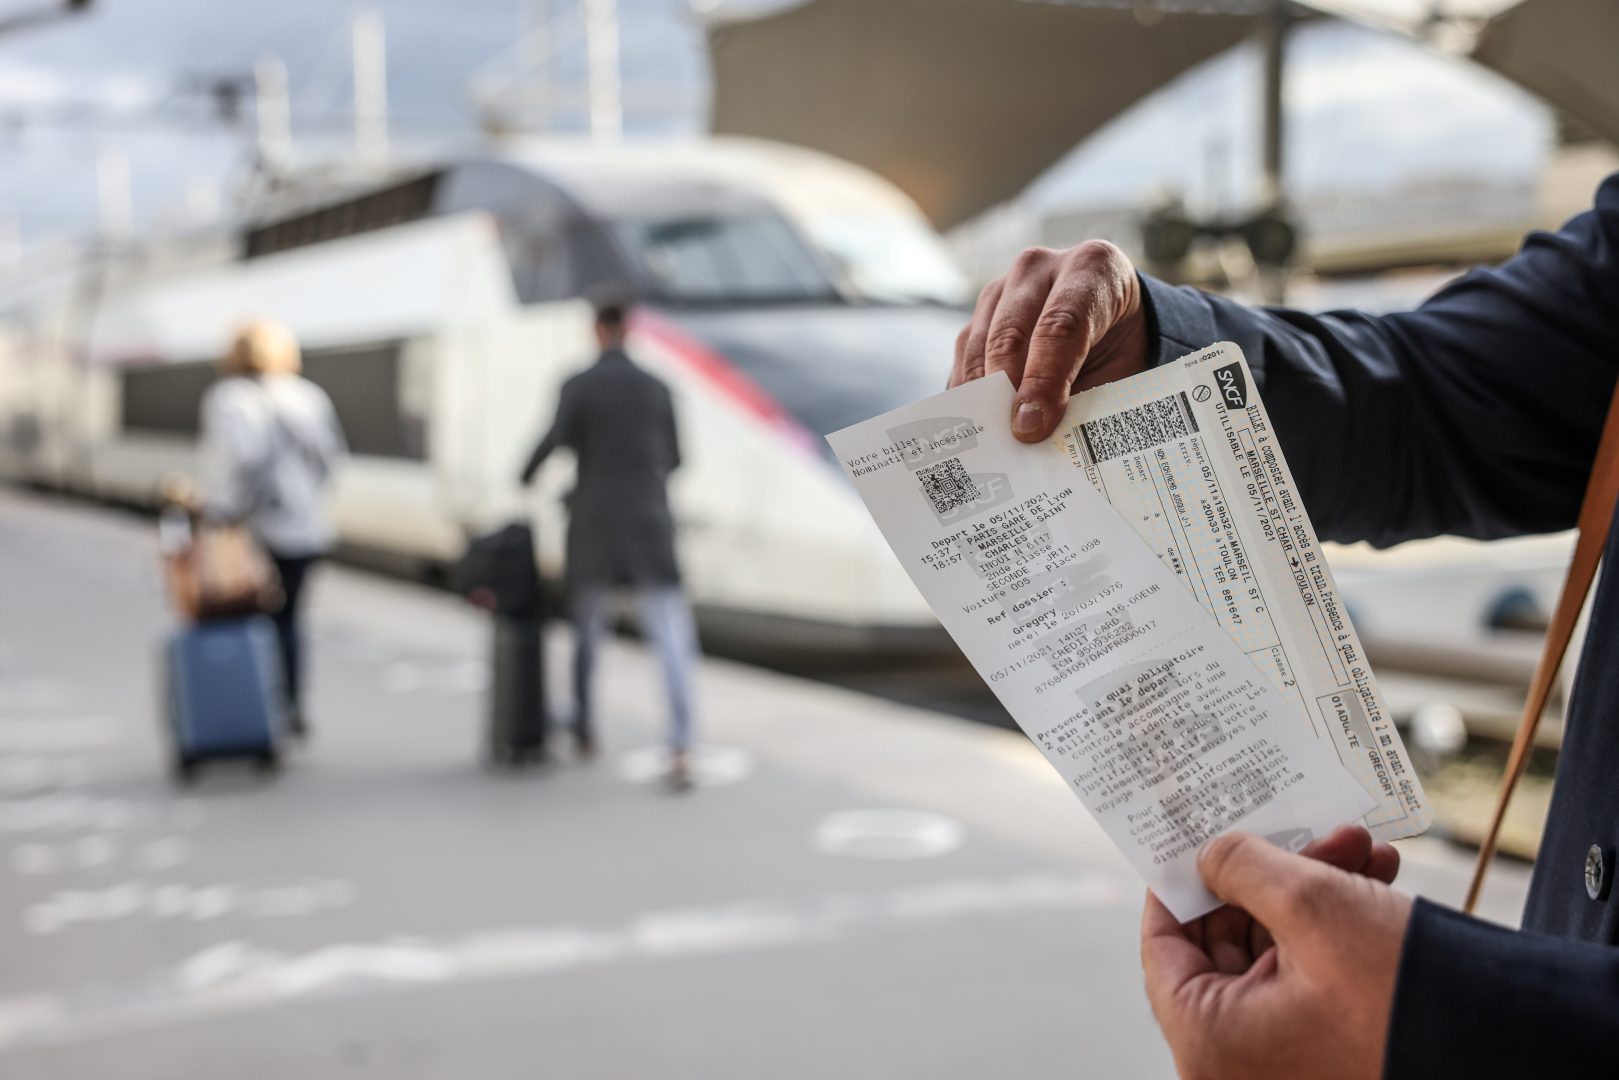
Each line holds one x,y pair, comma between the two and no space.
1477,414
1480,1001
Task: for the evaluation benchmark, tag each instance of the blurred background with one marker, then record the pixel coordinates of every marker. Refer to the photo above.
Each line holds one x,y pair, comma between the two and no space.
876,875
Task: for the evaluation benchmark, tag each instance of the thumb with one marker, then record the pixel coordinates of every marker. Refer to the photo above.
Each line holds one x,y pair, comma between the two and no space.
1286,892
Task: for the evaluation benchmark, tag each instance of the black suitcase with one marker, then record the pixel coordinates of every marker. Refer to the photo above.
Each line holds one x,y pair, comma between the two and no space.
518,718
498,571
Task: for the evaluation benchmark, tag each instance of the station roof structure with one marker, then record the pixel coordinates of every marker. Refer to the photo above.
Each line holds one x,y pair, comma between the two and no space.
962,103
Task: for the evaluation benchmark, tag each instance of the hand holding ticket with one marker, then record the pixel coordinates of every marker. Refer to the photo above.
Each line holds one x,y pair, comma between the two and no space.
1147,599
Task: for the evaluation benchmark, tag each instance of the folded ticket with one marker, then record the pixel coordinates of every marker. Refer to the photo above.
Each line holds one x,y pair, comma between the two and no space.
1146,597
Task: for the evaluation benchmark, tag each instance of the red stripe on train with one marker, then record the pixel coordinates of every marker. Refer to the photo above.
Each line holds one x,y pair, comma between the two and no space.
720,374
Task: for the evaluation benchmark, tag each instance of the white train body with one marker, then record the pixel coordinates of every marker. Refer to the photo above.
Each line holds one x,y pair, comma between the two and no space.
785,295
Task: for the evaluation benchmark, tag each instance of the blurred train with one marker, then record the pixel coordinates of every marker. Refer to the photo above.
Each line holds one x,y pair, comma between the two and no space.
785,294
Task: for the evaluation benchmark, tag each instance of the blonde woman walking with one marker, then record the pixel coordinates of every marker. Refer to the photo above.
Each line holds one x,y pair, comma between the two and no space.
270,443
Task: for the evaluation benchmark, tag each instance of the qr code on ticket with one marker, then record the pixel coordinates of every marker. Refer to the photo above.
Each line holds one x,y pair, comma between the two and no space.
947,486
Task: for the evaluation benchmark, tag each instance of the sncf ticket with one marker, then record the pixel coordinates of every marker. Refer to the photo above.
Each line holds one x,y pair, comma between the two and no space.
1146,596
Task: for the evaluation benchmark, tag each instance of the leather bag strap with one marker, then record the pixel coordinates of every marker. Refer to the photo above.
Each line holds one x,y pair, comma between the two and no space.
1596,516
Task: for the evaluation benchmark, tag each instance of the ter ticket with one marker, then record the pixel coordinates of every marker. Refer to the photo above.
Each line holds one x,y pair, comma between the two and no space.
1147,598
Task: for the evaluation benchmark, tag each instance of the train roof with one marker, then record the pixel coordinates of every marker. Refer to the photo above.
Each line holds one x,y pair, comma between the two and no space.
630,179
640,174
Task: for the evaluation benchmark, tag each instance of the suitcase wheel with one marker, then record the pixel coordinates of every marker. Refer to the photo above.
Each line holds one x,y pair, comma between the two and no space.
185,769
268,763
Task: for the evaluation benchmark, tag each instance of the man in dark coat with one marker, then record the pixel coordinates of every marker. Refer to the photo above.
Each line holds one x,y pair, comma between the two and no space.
619,421
1478,414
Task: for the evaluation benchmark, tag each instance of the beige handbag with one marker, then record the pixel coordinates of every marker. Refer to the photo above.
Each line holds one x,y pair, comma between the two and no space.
232,574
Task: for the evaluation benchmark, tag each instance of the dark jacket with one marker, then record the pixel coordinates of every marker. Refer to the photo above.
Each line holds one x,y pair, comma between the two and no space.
1478,414
619,421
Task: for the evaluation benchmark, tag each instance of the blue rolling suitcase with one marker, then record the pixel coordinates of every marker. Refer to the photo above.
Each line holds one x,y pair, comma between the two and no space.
224,694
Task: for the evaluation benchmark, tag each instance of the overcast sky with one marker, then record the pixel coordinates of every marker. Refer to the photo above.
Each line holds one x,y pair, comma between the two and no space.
1367,112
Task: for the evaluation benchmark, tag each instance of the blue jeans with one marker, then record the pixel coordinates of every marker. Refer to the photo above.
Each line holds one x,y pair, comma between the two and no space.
666,621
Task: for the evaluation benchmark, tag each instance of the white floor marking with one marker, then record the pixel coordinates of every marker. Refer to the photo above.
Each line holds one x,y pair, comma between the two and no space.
198,903
67,811
236,976
711,766
85,853
29,773
886,834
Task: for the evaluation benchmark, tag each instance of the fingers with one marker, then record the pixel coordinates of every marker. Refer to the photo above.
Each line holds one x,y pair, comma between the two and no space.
1284,891
1350,848
1169,957
1023,298
1042,322
1080,308
1347,847
970,342
1383,864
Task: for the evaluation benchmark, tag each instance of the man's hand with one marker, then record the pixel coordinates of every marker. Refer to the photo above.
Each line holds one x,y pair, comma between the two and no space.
1058,322
1295,977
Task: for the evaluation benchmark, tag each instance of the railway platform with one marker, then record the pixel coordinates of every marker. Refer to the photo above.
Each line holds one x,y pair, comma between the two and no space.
856,888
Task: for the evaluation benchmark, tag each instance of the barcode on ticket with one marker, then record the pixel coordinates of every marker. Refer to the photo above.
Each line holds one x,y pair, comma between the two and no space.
1134,430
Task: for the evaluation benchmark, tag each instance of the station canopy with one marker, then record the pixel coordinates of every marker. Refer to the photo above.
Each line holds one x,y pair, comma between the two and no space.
962,103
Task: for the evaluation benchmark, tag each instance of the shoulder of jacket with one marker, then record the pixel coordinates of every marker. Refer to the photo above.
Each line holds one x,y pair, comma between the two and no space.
227,393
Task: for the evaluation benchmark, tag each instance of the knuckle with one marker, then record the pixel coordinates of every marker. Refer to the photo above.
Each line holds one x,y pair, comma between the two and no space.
1096,253
1042,384
1060,322
1031,259
1005,343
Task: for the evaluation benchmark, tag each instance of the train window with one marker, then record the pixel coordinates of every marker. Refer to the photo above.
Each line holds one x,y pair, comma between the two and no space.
370,390
165,398
375,210
887,258
740,258
380,391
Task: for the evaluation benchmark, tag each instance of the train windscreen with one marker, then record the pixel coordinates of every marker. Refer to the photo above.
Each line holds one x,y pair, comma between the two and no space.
719,259
887,258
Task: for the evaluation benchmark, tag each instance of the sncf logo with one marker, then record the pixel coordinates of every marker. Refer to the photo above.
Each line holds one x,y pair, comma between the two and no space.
984,490
1232,386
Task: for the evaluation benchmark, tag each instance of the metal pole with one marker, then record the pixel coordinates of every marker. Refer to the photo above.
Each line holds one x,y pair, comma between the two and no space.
272,110
534,78
370,88
113,192
606,85
1273,39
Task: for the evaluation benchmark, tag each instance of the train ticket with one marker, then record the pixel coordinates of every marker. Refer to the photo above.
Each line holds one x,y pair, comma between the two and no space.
1143,692
1185,453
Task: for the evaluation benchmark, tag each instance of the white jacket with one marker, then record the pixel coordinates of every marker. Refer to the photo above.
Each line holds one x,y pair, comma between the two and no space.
269,447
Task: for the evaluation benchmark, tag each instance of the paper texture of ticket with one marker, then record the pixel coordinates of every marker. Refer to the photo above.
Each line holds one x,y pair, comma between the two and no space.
1123,639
